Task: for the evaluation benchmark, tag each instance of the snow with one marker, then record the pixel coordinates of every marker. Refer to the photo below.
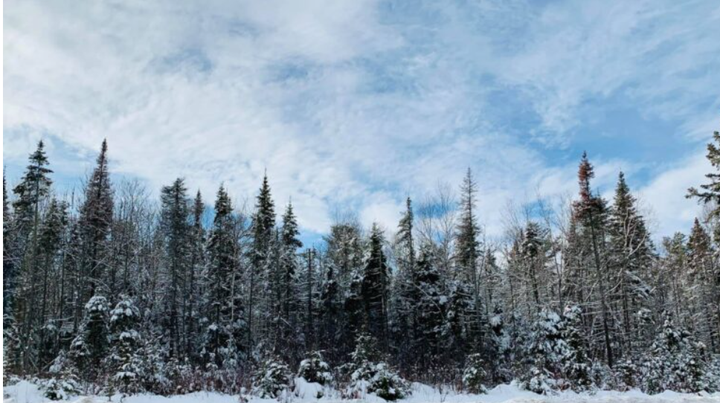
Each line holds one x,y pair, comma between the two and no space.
26,392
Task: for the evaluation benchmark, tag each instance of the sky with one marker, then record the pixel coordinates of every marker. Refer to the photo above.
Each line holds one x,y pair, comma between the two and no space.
354,105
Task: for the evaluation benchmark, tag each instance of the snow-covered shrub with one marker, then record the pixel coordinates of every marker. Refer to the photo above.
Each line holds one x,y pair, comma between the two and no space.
539,381
272,380
88,349
370,377
315,369
64,382
675,363
61,389
127,359
574,358
626,374
544,352
474,374
602,375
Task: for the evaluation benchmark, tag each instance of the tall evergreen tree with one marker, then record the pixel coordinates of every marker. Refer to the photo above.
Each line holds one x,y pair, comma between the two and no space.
31,193
467,253
175,226
194,284
404,292
375,287
263,228
590,211
630,250
224,313
710,192
287,278
96,214
702,301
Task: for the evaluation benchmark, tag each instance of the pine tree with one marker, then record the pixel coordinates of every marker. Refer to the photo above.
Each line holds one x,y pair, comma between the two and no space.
175,226
403,292
89,348
575,361
467,253
194,283
126,359
96,214
590,212
224,313
263,228
331,310
710,192
31,193
375,287
50,243
630,260
674,362
430,305
544,354
703,304
287,278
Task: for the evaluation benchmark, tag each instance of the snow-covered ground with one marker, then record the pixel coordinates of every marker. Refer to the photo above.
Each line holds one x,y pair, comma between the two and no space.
25,392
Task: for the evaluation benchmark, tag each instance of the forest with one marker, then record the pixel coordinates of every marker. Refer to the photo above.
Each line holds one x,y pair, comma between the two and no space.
111,291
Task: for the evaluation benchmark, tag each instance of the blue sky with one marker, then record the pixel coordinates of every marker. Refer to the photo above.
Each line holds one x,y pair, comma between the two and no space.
354,105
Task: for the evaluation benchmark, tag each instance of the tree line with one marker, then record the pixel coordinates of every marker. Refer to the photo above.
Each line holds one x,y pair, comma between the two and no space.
114,291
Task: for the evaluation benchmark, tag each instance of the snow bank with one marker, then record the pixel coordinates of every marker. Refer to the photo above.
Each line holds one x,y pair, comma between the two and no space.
26,392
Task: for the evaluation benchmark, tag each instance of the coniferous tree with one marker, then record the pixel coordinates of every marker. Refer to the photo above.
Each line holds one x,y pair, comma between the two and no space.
590,211
50,243
89,348
429,303
224,314
467,254
630,261
702,304
404,292
575,361
31,193
126,359
287,279
710,192
194,282
263,228
175,226
96,214
375,287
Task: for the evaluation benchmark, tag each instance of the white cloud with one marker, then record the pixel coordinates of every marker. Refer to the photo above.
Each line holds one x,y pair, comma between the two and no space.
355,104
665,195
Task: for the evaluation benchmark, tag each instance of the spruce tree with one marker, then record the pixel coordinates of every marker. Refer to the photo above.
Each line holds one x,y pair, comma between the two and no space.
590,211
430,307
575,361
630,260
89,348
176,230
287,278
194,282
403,291
375,287
263,229
467,254
31,193
126,358
96,214
224,313
710,192
703,303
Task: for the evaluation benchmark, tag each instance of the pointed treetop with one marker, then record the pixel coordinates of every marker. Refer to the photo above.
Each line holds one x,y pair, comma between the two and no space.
223,205
290,230
585,173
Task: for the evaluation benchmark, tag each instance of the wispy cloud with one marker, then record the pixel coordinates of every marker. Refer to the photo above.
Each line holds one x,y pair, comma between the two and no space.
356,104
